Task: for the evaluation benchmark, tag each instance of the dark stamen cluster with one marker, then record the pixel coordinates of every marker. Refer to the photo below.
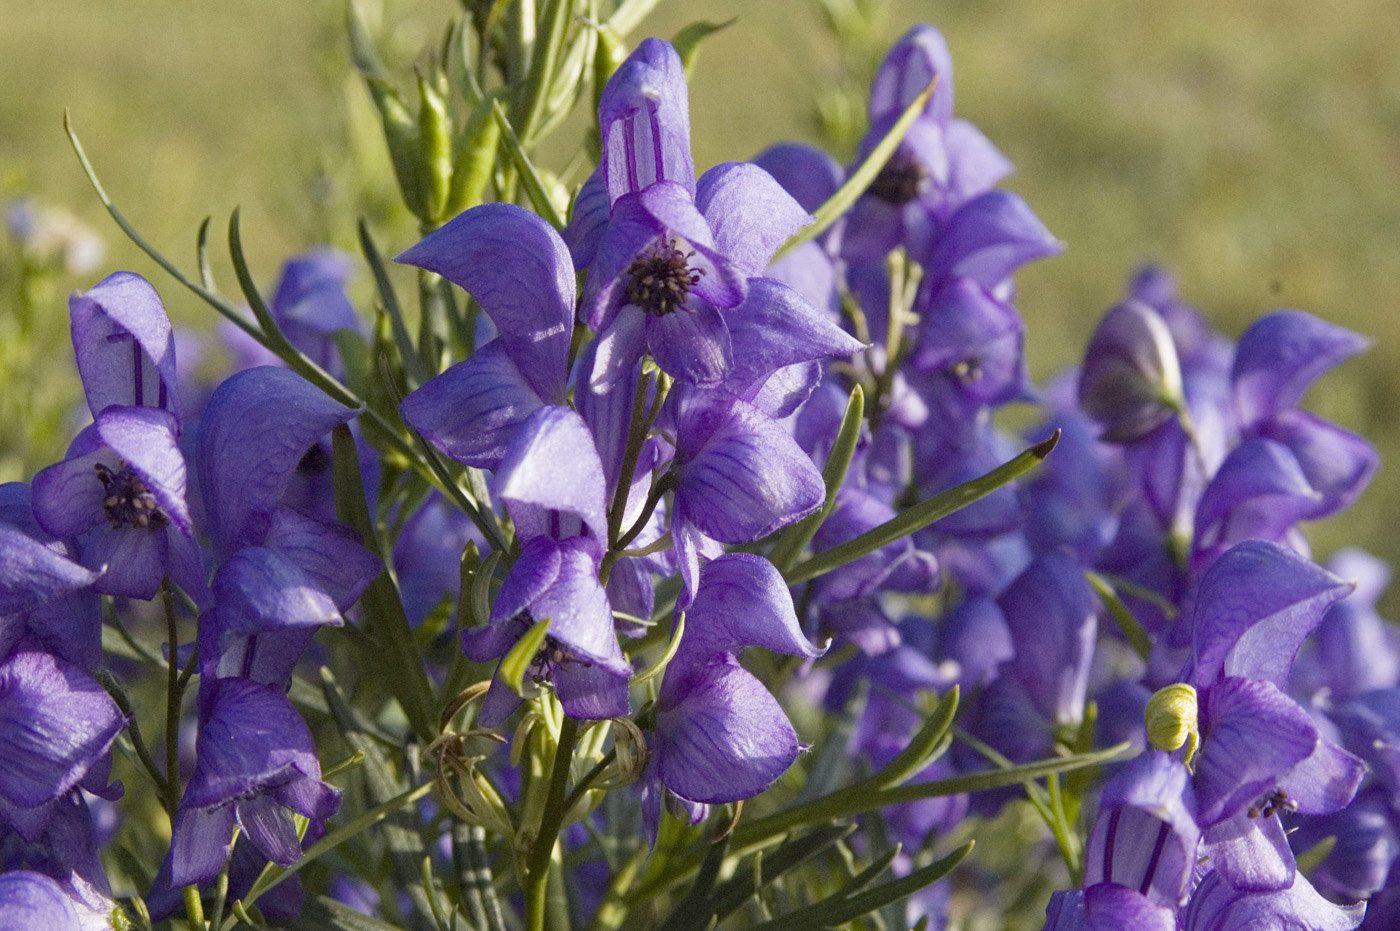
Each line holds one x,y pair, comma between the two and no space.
661,280
967,371
126,501
1272,803
900,181
552,658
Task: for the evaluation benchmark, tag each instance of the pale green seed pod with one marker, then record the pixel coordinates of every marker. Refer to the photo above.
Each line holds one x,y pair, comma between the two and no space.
1171,719
434,148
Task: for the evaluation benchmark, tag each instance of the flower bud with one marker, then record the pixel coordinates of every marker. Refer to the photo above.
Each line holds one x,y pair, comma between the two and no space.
1171,719
434,148
1131,380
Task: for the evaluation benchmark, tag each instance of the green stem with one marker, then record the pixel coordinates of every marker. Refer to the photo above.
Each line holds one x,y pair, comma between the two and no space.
174,692
537,867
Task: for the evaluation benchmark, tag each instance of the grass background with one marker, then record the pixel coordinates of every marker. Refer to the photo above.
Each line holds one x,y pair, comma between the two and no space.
1252,148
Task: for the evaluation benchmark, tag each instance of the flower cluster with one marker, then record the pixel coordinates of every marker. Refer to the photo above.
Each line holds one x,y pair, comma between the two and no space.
700,415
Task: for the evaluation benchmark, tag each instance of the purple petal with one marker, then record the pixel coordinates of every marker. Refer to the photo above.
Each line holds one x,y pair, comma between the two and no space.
132,560
749,212
1053,620
775,327
1251,854
1326,781
1255,606
988,238
552,479
743,601
726,739
199,843
257,426
1217,906
35,902
252,738
807,173
1145,836
124,345
67,496
974,164
722,283
1131,376
915,60
692,345
1259,492
1253,735
580,616
328,554
260,589
618,349
588,219
1280,356
748,478
591,693
644,119
1338,463
32,573
56,722
473,409
519,270
269,828
146,439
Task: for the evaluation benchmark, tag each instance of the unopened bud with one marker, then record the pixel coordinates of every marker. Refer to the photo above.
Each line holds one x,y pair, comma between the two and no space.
1171,719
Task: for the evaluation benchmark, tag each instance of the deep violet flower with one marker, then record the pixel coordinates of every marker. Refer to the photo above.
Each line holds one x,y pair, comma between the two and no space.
551,480
1130,382
256,763
124,345
720,736
519,271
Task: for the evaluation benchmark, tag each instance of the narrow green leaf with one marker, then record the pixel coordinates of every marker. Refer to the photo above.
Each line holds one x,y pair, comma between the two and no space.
1311,858
517,662
417,373
630,13
860,179
534,185
1132,630
920,750
383,609
794,540
644,677
321,913
923,514
269,326
838,909
995,779
731,895
553,24
687,42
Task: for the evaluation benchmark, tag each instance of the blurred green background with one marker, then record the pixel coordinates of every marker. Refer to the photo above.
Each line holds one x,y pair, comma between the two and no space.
1253,148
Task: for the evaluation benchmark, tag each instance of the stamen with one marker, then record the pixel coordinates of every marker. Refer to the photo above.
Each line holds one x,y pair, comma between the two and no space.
901,180
126,501
662,279
1274,801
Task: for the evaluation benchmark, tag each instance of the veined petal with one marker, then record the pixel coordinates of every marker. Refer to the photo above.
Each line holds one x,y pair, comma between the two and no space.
1280,355
328,554
1255,606
1251,854
260,589
55,724
199,843
146,439
35,902
67,496
1259,492
1338,464
748,478
1053,620
749,213
743,601
473,409
1216,905
988,238
644,120
588,219
552,478
1253,735
32,573
519,270
692,345
257,426
124,345
725,739
270,829
775,327
722,282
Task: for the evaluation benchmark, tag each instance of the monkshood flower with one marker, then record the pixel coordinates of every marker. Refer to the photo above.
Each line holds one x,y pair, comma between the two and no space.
720,736
940,164
1261,753
256,764
281,573
310,304
551,480
519,271
1130,383
56,726
120,494
1355,649
1277,359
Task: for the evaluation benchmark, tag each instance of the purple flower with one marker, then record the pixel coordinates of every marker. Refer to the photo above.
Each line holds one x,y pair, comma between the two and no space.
256,763
1217,906
124,345
1130,383
551,479
720,736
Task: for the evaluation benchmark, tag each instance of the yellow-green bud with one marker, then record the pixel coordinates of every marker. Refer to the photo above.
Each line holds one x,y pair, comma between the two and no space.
435,147
1171,719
